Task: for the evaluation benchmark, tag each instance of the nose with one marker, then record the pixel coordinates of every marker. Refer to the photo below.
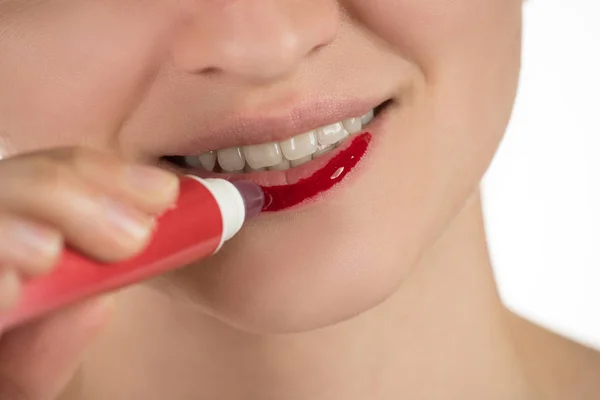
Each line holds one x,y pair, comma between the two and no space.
253,40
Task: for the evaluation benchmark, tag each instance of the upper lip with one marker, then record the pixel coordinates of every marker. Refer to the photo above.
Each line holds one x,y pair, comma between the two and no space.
264,125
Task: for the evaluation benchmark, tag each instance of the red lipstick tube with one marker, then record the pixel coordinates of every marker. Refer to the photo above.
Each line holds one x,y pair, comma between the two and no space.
208,213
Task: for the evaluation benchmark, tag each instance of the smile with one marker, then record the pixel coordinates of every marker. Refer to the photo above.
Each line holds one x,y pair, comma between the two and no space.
280,156
294,170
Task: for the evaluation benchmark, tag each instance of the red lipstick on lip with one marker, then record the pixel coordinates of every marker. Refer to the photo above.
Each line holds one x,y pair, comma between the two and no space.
281,197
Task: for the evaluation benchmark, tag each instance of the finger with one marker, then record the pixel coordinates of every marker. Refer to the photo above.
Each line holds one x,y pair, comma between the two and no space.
10,287
147,188
28,246
90,220
39,360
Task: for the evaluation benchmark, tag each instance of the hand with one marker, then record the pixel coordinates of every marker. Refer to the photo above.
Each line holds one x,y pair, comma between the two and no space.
91,201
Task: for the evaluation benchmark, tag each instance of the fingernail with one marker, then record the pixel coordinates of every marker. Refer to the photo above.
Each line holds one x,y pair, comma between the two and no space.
151,180
10,286
34,241
127,221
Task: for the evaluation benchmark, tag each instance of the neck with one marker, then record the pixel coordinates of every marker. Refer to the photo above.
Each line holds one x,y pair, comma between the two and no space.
442,335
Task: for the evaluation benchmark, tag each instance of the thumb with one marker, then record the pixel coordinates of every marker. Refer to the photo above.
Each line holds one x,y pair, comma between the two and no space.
37,361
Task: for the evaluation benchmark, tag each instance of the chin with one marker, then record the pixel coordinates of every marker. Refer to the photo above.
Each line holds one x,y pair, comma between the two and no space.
259,288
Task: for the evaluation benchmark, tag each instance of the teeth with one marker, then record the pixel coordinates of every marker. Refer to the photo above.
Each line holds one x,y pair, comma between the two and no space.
299,146
368,117
323,150
263,155
232,159
331,134
193,161
208,160
300,161
353,125
250,169
284,155
283,165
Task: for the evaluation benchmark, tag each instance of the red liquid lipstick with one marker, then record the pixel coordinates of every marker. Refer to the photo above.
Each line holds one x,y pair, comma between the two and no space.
208,213
278,198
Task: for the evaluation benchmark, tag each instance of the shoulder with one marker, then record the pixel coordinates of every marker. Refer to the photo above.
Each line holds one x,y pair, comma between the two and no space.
561,368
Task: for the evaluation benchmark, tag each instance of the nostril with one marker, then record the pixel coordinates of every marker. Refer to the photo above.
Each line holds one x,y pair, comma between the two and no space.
317,49
255,42
209,71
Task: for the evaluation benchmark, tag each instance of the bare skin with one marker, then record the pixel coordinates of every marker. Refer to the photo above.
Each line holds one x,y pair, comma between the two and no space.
382,289
444,335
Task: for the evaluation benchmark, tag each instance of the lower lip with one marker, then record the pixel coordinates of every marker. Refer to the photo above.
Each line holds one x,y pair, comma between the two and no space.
282,197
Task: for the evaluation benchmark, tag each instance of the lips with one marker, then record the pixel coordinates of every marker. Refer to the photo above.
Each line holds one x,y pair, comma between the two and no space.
282,155
282,197
288,187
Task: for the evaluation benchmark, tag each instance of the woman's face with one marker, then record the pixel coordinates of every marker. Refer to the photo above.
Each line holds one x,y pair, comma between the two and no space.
149,79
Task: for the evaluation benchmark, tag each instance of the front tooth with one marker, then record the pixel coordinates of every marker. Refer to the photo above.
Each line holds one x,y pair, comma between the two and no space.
353,125
331,134
250,169
368,117
208,160
299,146
323,150
232,159
283,165
263,155
300,161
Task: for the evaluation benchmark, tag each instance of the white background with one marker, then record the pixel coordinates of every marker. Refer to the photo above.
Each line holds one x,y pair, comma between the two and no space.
542,193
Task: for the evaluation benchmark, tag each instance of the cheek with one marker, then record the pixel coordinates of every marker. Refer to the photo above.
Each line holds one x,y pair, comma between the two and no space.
61,63
433,32
468,52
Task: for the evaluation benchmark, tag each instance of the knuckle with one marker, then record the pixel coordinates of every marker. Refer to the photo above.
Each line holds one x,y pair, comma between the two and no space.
79,158
71,154
51,177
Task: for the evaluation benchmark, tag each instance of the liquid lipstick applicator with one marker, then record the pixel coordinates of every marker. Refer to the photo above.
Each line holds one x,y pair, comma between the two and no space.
208,213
